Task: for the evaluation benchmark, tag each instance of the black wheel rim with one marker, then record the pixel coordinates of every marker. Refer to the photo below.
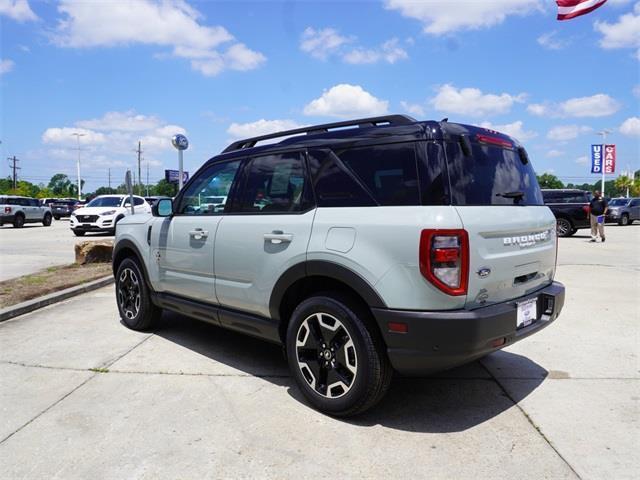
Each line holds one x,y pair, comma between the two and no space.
563,227
129,293
326,355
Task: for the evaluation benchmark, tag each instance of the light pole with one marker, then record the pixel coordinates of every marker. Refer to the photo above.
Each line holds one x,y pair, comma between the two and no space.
78,135
604,134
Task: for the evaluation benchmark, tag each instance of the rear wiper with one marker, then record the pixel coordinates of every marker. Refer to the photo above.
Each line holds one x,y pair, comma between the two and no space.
510,194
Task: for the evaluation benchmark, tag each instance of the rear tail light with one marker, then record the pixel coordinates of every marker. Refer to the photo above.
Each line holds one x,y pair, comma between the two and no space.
444,259
585,208
7,209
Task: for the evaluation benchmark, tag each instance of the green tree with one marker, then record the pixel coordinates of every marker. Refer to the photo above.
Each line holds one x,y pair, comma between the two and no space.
163,188
60,185
548,180
105,191
624,183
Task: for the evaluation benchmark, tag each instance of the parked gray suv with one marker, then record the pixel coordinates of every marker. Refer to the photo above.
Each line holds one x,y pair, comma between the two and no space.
623,211
18,210
362,247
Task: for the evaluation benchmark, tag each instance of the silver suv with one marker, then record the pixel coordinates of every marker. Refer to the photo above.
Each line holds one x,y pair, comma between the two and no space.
18,210
363,247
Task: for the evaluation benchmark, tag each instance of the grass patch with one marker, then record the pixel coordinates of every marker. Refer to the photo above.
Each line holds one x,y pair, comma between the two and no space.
49,280
99,370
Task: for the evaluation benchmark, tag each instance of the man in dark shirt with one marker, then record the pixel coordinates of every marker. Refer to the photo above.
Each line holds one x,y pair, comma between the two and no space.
597,207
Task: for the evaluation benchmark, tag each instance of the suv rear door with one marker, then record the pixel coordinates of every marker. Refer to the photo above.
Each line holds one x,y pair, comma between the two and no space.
512,246
266,232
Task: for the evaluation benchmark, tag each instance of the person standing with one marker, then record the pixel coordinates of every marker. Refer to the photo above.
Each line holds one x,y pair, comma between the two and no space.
597,208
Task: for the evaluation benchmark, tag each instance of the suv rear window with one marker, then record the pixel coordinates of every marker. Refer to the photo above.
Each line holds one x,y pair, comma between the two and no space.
565,197
491,175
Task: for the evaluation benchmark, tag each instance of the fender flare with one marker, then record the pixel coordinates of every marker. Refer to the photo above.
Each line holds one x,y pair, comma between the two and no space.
313,268
129,245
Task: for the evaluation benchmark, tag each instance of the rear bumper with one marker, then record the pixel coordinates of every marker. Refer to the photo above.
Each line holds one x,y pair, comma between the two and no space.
444,339
6,218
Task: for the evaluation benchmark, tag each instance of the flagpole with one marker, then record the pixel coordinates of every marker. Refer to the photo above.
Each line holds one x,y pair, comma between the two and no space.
604,146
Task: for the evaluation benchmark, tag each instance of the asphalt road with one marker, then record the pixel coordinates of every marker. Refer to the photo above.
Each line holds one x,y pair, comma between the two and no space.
83,397
34,247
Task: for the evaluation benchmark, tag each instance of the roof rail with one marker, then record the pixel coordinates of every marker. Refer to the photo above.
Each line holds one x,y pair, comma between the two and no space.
361,123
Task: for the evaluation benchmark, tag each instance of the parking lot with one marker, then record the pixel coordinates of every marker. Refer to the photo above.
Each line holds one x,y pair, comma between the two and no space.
34,247
81,396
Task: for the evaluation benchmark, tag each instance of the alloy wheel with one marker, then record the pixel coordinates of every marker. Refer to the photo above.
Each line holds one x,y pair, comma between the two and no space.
326,355
563,227
129,293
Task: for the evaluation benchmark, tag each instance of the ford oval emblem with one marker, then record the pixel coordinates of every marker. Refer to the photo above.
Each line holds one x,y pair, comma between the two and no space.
180,142
484,272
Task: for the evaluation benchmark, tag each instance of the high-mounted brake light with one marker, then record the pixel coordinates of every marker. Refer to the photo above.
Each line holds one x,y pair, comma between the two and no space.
444,259
494,141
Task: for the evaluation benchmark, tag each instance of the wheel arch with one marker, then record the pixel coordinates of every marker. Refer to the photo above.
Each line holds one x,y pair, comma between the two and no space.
127,249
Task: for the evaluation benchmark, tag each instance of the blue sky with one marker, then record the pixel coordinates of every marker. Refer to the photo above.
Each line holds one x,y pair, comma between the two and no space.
125,71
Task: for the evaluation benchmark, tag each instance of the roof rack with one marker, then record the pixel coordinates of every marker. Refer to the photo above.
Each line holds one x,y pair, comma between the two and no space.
314,129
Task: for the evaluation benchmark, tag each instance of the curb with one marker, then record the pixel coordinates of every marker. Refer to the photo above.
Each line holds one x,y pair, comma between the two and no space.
51,298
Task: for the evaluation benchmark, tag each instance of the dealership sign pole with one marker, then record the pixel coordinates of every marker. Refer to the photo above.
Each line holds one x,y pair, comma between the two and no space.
603,158
181,143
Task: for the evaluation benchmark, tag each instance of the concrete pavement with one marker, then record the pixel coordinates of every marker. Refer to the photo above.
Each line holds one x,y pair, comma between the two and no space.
34,247
81,396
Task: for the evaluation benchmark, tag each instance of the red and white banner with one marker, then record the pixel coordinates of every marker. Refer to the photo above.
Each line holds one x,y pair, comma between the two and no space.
568,9
609,158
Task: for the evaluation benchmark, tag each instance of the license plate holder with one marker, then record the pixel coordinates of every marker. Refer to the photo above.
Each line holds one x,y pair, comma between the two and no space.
527,313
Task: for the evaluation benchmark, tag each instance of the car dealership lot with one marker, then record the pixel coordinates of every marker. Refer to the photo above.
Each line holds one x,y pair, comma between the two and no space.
80,396
34,247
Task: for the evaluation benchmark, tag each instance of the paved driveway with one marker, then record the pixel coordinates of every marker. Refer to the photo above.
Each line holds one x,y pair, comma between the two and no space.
34,247
83,397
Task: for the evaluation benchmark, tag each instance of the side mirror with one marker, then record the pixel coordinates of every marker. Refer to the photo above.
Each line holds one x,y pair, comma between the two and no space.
162,208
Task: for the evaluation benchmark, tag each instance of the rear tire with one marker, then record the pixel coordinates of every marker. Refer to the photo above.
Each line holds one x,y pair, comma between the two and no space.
624,220
46,221
337,360
18,222
564,228
79,233
133,297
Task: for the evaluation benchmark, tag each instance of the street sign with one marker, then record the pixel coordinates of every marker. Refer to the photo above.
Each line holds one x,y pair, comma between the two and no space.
173,176
609,158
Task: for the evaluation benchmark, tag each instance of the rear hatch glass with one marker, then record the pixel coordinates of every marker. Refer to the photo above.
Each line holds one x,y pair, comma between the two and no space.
511,233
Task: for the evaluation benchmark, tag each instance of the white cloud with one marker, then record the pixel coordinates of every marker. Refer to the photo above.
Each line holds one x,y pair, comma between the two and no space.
6,66
567,132
438,17
515,130
322,43
625,33
551,41
636,91
631,127
554,153
345,101
260,127
390,52
472,102
171,23
599,105
18,10
111,139
583,160
412,108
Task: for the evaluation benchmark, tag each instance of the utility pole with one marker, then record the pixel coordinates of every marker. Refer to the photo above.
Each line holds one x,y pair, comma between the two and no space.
78,135
139,150
14,167
147,178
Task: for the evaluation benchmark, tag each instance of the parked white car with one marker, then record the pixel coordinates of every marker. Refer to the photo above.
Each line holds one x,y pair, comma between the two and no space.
103,213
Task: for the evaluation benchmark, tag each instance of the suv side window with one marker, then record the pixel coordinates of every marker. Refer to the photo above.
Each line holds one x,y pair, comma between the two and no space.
138,201
389,172
34,202
208,191
274,184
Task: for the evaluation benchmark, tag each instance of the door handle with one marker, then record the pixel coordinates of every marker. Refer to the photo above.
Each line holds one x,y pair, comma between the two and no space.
198,234
277,236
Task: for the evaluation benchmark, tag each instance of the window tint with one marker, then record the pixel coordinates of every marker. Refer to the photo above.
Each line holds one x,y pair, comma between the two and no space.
389,172
33,202
214,181
275,184
137,201
491,176
334,184
105,202
635,203
434,183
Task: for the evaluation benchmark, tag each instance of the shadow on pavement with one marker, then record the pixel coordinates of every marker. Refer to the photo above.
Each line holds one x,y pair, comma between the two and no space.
450,401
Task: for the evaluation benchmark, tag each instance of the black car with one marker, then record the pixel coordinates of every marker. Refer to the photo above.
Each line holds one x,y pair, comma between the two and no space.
571,209
63,208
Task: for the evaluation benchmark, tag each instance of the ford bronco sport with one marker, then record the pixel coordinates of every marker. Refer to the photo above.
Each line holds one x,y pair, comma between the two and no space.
362,247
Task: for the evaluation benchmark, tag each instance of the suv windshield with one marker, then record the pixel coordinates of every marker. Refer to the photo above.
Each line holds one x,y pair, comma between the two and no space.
105,202
618,202
491,175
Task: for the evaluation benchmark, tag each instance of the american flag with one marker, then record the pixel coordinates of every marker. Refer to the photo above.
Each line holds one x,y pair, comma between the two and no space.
568,9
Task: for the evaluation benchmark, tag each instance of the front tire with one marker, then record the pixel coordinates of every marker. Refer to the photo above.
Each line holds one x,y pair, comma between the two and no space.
133,297
337,360
564,227
624,220
46,221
